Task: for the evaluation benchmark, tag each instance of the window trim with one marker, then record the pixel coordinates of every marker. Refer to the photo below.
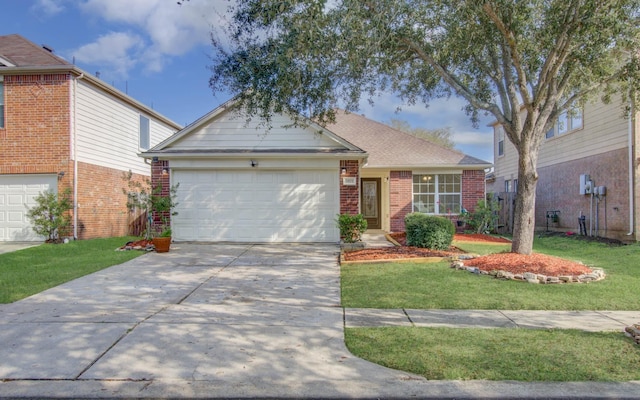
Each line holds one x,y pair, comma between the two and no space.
436,194
144,133
500,136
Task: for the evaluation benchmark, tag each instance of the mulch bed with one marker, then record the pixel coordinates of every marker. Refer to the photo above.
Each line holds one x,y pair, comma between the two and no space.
510,262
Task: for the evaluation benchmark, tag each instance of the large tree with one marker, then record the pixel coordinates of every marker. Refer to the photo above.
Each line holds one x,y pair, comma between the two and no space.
524,62
439,136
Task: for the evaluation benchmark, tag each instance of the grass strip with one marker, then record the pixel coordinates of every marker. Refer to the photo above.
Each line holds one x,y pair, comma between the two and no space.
499,354
32,270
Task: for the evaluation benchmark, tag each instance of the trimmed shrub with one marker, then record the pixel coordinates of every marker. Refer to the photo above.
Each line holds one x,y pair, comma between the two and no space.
429,231
351,227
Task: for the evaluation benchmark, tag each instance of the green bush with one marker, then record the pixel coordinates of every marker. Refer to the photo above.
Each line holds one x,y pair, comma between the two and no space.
428,231
484,217
49,216
351,227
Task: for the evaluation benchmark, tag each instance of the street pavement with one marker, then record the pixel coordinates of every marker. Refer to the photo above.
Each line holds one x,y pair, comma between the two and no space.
231,321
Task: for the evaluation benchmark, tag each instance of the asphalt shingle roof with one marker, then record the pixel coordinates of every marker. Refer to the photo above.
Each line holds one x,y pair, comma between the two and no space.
24,53
389,147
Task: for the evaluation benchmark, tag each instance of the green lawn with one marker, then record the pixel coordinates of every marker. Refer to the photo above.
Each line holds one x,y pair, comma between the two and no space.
32,270
501,353
436,286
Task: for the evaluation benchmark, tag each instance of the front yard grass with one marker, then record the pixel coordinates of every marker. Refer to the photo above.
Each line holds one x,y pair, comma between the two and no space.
436,286
501,353
32,270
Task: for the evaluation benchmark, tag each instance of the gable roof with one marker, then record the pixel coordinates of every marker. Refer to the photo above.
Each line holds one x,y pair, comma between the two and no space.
391,148
21,52
227,132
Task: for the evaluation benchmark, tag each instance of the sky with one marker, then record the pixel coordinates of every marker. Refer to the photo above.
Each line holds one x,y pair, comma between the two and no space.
159,53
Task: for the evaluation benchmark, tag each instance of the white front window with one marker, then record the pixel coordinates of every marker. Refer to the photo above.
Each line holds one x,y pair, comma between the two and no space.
437,193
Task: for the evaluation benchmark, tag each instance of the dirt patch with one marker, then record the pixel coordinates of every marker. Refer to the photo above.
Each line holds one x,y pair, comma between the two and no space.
510,262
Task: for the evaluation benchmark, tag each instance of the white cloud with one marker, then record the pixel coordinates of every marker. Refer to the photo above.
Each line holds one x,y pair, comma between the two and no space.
47,7
168,29
114,52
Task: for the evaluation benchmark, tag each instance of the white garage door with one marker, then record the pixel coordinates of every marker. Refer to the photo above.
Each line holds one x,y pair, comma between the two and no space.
257,206
17,193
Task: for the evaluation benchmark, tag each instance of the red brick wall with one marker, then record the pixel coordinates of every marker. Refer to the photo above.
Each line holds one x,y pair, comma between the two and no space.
102,204
349,195
400,198
473,188
35,139
559,187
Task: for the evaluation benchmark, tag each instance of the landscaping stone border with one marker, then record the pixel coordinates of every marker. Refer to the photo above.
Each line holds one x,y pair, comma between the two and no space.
597,274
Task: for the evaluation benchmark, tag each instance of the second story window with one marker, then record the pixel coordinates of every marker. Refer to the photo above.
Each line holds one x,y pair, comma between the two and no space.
500,134
1,103
568,121
145,140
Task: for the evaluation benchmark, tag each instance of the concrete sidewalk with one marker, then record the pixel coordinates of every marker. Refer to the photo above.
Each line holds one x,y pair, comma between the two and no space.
590,321
223,321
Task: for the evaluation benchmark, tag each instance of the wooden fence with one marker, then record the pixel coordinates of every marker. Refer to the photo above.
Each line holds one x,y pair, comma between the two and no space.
507,200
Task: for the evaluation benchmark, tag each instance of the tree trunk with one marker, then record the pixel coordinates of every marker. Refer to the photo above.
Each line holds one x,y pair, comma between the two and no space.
524,213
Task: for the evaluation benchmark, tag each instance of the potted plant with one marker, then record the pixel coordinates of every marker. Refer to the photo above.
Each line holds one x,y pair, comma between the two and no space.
158,205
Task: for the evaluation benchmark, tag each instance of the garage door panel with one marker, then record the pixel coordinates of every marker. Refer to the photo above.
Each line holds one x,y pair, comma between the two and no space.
257,206
17,195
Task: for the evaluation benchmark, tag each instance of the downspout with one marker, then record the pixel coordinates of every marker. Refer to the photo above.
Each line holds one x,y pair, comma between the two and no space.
74,138
631,171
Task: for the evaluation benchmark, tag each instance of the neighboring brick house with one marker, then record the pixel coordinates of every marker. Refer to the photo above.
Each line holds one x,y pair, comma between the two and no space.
61,128
240,182
587,150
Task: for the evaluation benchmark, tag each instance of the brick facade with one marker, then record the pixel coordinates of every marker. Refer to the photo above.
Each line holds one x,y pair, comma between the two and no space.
559,189
102,202
400,198
349,195
401,194
473,188
35,139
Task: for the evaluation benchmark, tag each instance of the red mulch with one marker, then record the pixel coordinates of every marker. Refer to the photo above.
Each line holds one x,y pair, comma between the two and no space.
510,262
535,263
137,245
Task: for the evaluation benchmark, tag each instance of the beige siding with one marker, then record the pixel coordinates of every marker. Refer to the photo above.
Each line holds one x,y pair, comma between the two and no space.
604,129
107,131
232,132
506,165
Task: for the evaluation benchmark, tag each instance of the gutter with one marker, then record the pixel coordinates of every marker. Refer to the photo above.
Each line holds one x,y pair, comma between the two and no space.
631,171
74,138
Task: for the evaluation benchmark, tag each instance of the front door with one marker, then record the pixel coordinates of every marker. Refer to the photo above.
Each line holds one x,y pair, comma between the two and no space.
370,201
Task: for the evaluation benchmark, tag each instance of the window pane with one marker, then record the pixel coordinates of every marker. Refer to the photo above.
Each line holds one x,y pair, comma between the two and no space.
423,203
576,118
450,203
563,125
144,133
550,132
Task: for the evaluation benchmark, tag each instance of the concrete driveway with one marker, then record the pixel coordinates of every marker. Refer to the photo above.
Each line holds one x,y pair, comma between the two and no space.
213,321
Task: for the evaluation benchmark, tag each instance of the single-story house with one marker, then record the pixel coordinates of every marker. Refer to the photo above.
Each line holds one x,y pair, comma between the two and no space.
241,181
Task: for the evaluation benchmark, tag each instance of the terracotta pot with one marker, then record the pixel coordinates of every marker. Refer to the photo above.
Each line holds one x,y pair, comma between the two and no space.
162,244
